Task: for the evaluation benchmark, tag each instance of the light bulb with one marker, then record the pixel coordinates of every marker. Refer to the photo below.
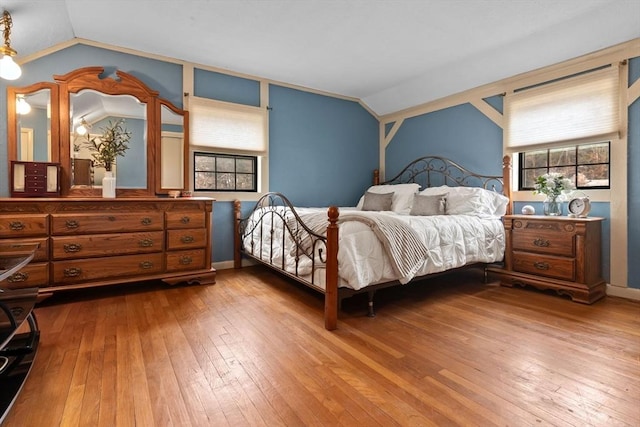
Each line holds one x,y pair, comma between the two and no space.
9,70
23,106
81,130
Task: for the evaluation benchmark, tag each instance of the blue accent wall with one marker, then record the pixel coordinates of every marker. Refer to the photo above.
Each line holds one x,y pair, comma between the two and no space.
223,87
633,183
461,133
322,150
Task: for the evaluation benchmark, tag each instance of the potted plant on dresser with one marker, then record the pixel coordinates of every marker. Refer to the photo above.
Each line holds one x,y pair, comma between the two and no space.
104,148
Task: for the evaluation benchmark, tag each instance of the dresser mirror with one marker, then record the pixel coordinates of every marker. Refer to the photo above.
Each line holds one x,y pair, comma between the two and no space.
174,144
80,105
33,121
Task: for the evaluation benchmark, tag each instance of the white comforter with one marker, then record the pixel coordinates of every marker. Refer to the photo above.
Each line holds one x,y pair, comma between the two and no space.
451,241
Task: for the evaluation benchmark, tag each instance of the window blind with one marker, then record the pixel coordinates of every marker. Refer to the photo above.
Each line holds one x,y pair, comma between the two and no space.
229,126
579,109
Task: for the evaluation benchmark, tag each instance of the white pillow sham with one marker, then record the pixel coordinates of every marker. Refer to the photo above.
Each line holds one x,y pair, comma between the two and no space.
402,196
471,200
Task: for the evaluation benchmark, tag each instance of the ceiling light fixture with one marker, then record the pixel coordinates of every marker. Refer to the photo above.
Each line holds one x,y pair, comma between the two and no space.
8,68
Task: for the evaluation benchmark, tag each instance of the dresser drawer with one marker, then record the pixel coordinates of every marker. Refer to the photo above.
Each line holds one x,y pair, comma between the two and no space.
541,265
42,253
24,225
68,247
31,275
81,270
105,222
547,242
185,260
177,220
185,239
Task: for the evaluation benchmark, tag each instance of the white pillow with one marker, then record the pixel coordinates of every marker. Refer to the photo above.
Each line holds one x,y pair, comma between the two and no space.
471,200
402,196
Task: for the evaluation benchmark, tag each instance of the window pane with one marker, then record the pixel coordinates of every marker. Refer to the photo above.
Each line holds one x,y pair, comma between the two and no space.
226,164
562,156
530,177
568,172
225,181
593,176
244,165
593,153
205,163
244,182
535,159
204,181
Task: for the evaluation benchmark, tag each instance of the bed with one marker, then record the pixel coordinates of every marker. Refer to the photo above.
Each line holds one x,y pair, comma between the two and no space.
434,217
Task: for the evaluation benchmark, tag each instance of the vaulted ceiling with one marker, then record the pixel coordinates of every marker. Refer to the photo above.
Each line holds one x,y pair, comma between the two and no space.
391,54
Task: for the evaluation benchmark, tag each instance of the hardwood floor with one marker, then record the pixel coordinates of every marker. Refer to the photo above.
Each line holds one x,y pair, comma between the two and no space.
252,350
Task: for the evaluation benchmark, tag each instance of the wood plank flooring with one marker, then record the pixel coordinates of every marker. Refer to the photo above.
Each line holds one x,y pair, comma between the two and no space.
251,350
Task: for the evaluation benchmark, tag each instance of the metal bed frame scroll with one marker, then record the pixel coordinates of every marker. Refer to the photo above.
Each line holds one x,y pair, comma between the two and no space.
321,250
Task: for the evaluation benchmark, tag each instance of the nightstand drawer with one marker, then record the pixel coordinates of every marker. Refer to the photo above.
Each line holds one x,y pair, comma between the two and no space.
541,265
551,243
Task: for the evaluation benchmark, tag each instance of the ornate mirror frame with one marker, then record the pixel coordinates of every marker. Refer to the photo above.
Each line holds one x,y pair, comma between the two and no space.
123,84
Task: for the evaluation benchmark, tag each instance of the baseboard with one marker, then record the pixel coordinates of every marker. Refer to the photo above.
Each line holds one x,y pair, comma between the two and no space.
225,265
619,291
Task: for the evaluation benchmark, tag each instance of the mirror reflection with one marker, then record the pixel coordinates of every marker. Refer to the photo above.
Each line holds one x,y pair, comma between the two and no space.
92,117
172,149
33,116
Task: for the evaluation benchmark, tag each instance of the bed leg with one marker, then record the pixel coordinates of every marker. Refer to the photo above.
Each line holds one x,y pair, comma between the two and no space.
370,310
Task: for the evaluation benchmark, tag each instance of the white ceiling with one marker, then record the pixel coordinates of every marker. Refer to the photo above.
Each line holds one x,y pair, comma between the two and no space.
391,54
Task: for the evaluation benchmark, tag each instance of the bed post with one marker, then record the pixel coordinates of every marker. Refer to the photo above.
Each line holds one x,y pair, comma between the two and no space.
376,176
237,257
331,285
506,181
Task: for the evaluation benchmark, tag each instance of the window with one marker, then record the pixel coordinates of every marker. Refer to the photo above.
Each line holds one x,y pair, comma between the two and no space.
587,165
225,172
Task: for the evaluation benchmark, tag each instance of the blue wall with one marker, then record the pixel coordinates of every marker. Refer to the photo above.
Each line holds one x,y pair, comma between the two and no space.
461,133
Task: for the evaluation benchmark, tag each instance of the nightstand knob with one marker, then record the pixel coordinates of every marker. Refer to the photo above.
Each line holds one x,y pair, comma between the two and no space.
541,243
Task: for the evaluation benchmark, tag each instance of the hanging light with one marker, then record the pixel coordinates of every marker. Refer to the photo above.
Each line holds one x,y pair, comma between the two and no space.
83,127
22,106
8,68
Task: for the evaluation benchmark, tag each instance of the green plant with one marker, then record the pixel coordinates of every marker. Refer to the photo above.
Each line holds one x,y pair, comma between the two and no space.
113,142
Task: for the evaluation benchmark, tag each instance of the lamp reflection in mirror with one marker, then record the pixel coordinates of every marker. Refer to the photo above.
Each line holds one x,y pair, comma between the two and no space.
22,106
9,70
83,127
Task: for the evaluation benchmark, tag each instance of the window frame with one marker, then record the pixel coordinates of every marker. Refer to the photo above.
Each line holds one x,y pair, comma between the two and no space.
255,180
522,169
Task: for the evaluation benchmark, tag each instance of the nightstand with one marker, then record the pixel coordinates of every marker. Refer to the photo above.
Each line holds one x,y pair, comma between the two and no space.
551,252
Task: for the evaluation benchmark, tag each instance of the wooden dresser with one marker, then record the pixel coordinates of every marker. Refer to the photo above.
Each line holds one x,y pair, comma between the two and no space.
86,242
558,253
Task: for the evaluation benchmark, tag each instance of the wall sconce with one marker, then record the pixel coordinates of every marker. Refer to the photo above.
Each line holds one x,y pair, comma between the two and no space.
22,106
8,68
83,127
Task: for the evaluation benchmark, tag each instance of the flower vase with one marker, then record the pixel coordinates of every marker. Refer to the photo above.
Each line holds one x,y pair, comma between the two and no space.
552,206
109,185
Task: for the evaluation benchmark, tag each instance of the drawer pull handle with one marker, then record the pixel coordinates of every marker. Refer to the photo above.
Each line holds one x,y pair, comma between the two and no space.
72,247
185,260
146,221
71,223
541,265
185,220
146,265
18,277
72,272
187,239
145,243
541,243
17,225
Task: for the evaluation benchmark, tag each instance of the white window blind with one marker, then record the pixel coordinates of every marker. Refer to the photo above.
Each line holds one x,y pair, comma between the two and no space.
584,108
229,126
